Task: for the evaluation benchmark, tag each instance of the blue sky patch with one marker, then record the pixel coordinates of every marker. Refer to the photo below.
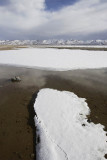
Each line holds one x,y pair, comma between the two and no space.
57,4
4,2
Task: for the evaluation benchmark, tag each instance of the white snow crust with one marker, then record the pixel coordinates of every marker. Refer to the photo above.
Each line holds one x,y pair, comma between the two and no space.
64,131
54,59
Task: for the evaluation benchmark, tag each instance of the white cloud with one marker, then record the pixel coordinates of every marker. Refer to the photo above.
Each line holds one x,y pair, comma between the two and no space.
30,18
22,14
83,17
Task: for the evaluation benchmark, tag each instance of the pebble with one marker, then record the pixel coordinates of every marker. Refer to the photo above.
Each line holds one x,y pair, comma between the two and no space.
16,79
89,120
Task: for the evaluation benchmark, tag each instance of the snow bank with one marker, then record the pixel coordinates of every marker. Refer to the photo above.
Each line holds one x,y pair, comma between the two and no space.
54,59
64,131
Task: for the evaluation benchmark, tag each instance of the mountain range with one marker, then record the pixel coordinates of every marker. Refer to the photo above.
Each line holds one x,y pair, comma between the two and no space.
53,42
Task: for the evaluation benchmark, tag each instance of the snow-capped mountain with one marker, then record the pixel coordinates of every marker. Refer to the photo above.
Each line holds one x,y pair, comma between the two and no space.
53,42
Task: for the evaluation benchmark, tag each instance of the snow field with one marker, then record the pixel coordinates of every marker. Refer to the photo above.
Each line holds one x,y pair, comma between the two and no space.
54,59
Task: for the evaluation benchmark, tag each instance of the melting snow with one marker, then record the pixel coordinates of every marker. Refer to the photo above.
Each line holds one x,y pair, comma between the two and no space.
64,131
54,59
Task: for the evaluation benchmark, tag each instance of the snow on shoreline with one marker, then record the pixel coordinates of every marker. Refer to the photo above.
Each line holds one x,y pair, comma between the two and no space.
64,131
54,59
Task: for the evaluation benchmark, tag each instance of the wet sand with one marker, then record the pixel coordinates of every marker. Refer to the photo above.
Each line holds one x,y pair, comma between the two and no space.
17,129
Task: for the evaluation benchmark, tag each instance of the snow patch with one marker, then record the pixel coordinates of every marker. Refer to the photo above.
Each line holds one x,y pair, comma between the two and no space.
64,131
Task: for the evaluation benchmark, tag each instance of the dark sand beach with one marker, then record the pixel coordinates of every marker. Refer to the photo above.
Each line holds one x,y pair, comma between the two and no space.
17,129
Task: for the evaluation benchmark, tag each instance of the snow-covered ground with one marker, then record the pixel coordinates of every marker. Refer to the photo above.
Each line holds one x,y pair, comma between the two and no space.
64,131
54,59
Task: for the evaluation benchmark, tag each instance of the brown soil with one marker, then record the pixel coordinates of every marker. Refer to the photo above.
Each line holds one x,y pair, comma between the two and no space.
11,47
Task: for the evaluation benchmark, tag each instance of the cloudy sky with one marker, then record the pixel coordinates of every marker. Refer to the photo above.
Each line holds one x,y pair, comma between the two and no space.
50,19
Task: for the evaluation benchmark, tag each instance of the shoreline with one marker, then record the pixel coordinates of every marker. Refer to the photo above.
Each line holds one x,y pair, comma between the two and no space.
17,136
71,47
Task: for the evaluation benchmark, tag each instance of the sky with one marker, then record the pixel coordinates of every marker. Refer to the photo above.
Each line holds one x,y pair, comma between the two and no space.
53,19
